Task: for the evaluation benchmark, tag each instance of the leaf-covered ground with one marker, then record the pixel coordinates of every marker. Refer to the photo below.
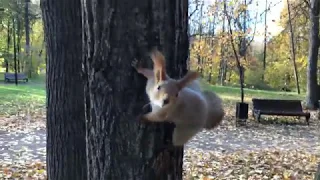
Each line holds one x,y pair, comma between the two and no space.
264,164
256,151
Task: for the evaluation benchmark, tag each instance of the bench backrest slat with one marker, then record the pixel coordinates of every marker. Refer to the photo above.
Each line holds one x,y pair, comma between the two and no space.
12,76
277,105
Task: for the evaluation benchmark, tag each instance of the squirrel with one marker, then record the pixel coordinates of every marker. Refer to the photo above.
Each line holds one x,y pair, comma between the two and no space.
215,112
151,89
179,101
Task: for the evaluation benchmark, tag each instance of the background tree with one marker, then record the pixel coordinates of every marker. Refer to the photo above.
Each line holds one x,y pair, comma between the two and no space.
265,37
27,30
66,142
119,147
293,51
314,42
28,64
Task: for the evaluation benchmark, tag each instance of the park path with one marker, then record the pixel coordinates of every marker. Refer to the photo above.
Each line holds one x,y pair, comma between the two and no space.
30,146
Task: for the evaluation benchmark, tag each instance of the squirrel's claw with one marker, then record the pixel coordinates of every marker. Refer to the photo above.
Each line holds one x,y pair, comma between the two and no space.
135,63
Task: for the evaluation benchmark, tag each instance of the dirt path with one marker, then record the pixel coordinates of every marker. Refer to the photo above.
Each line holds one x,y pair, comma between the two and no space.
30,146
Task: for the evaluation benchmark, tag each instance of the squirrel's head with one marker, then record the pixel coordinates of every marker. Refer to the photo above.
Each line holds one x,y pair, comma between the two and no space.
166,90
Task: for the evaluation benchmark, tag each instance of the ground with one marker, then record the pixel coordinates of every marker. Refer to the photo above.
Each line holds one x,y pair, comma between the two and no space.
266,150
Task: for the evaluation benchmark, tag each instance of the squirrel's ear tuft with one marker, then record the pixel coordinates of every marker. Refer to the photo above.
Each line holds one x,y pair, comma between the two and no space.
159,65
190,76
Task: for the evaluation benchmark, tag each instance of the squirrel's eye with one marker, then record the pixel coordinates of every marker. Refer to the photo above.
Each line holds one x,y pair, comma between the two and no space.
158,87
166,101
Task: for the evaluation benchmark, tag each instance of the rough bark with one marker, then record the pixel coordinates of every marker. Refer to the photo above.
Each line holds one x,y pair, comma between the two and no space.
66,143
312,84
117,32
293,51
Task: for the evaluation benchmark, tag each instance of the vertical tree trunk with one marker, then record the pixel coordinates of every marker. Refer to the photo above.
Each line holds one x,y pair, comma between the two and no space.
224,48
27,29
66,134
117,32
14,49
239,66
265,39
312,90
317,175
242,38
200,33
18,41
223,63
8,45
293,52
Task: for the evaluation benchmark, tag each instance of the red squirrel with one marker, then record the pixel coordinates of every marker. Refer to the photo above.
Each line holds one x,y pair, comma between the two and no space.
179,101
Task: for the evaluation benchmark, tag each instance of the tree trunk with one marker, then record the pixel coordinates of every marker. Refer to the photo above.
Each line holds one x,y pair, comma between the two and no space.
117,32
8,45
223,63
265,40
239,66
66,134
14,49
18,41
242,38
317,175
27,29
293,52
312,89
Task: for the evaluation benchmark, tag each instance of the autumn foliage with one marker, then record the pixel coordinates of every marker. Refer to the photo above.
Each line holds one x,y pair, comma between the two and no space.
208,50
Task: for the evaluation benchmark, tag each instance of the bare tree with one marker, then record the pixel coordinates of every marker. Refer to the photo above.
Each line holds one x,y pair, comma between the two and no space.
293,52
240,68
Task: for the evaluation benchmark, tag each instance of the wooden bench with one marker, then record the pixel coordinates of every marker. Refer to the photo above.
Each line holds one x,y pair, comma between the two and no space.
12,77
278,107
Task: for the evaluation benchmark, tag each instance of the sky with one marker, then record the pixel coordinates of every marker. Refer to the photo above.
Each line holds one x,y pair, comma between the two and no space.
273,14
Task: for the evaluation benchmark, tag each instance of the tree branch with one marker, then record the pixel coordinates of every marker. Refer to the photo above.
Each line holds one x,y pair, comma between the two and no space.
254,31
268,9
197,8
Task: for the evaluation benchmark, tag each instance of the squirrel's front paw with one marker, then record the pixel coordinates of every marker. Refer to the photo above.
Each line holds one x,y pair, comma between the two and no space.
143,119
146,108
135,63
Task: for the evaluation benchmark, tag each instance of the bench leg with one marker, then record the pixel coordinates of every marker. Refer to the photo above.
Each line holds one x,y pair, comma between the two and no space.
307,119
257,116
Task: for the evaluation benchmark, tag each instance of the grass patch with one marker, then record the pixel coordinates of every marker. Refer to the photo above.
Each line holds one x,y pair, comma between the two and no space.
233,93
22,98
31,96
